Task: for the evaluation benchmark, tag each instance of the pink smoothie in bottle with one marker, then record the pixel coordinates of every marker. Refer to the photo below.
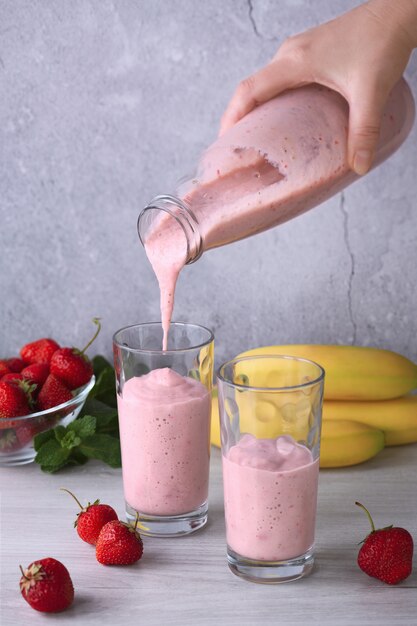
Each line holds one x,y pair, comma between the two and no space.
282,159
164,421
270,494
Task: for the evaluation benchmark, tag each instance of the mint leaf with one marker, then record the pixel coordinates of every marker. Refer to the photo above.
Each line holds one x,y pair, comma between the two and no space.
42,438
99,364
59,432
101,411
104,448
105,388
51,455
71,440
83,427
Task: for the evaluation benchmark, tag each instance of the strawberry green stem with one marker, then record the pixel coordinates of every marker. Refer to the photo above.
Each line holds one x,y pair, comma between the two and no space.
96,320
71,494
136,521
23,573
368,514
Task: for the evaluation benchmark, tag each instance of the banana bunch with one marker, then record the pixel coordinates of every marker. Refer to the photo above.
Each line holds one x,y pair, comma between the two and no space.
365,407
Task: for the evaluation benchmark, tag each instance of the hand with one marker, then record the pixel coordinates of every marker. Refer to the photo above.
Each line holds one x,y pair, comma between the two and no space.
361,54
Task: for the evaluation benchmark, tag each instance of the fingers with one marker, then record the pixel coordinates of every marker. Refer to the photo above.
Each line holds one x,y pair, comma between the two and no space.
258,88
365,113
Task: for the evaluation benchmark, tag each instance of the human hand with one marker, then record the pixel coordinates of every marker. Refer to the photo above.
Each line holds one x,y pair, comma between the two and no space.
361,54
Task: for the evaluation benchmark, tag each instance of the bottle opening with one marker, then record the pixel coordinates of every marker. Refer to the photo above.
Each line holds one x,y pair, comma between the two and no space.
168,213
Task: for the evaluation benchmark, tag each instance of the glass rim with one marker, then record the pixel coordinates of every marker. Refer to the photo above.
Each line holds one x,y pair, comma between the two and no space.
287,357
169,351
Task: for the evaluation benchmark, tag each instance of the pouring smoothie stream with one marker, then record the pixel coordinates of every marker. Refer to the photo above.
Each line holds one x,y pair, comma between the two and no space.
283,158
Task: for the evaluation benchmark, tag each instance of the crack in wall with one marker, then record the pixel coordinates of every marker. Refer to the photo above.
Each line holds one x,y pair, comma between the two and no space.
352,265
252,20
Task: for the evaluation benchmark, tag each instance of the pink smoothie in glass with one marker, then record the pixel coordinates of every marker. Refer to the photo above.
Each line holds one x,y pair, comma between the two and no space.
164,423
270,493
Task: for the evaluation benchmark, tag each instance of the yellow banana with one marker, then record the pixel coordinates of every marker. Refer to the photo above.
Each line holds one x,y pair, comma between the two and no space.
352,372
397,418
343,442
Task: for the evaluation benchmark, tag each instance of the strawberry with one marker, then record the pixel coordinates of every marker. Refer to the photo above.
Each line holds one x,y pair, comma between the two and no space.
47,586
72,366
387,553
36,373
53,392
12,377
13,400
39,351
15,364
91,519
119,544
4,368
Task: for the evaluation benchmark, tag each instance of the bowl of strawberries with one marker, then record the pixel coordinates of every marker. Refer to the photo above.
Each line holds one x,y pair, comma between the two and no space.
44,387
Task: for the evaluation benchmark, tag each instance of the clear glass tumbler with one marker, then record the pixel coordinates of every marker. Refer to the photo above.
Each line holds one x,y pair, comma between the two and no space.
270,439
164,404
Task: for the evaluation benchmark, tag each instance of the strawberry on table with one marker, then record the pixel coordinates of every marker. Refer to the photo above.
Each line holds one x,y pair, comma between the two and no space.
36,373
14,402
15,364
92,518
39,351
386,553
47,586
119,544
71,365
53,392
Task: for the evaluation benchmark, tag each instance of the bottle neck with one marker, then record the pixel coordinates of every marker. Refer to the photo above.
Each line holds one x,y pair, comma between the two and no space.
181,213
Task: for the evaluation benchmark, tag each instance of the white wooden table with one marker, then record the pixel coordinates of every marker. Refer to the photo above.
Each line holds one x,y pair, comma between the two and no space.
186,581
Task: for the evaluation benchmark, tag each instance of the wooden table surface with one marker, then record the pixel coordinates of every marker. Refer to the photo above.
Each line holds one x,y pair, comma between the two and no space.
186,581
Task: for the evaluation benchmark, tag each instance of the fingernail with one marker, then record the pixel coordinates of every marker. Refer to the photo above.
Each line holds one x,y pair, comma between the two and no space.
362,161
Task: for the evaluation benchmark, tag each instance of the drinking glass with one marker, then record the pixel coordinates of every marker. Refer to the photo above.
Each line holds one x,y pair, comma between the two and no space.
164,405
270,416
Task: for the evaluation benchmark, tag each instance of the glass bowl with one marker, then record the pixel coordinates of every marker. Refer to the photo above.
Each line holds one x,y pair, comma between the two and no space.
17,433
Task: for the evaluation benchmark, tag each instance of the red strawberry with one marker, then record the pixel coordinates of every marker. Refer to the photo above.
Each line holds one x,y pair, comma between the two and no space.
11,377
91,519
36,373
15,364
387,553
119,544
39,351
4,368
13,400
72,366
53,392
47,586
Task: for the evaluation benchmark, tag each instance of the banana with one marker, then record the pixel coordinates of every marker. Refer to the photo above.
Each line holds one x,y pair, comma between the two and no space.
397,418
344,443
352,372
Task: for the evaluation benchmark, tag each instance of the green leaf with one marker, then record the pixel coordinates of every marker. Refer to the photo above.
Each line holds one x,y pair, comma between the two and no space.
102,447
77,457
105,388
59,432
99,364
42,438
71,440
52,455
101,411
83,427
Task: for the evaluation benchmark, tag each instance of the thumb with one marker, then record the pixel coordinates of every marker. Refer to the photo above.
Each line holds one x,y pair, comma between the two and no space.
365,113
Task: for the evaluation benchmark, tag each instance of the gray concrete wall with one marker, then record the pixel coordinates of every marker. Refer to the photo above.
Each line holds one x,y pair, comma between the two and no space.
105,103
